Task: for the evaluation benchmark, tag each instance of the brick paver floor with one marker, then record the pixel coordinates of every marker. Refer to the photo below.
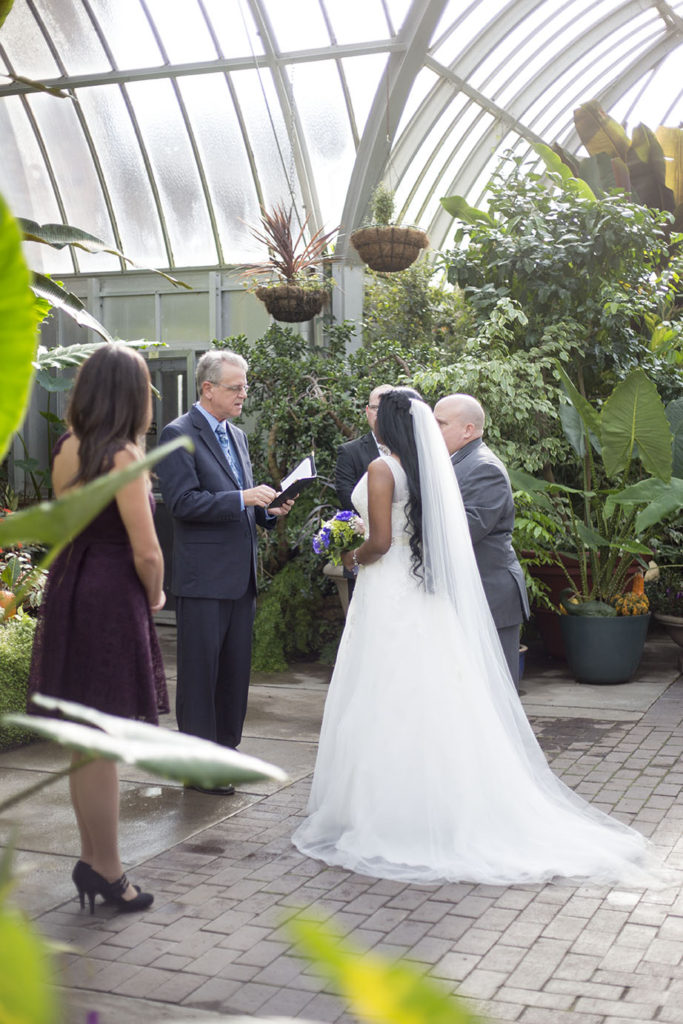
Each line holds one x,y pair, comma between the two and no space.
216,938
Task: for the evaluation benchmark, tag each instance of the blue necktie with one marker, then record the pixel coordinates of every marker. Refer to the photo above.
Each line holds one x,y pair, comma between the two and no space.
223,440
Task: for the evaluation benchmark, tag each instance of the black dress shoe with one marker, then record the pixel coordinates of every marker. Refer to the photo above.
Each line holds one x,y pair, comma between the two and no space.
213,790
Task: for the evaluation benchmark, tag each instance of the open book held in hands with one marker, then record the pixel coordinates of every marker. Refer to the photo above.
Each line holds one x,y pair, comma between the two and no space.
297,481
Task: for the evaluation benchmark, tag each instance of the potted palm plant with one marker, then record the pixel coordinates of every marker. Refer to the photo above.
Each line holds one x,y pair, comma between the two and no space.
604,619
383,245
296,290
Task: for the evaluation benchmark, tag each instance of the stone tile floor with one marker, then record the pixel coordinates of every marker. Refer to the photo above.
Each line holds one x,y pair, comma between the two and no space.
216,941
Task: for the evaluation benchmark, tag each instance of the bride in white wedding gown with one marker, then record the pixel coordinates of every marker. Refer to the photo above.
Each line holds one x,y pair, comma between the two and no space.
427,767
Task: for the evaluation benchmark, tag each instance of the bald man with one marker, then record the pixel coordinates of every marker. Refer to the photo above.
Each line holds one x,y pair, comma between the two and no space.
487,497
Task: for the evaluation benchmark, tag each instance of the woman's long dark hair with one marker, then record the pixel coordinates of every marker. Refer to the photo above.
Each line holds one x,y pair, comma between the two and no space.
109,407
394,428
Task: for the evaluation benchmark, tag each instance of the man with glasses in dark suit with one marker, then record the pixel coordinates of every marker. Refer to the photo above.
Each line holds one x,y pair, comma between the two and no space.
215,507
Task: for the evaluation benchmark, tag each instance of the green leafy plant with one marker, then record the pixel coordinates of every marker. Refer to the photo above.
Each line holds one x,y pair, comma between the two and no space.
600,270
382,205
603,521
16,645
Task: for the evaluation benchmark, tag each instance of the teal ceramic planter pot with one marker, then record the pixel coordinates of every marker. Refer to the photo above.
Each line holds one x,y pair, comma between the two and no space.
601,650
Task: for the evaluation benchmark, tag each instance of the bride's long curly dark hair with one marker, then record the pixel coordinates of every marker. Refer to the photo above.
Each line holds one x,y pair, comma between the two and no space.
394,428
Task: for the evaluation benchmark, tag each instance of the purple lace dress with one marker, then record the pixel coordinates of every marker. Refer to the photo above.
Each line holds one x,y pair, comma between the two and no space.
95,641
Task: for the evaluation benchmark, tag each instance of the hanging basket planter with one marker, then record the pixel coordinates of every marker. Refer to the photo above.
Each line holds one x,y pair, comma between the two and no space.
290,303
389,248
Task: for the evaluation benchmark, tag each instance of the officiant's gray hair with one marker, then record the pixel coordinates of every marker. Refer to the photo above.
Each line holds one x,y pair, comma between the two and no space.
210,366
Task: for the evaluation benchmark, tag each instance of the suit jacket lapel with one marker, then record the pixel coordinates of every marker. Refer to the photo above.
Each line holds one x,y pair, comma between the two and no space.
209,438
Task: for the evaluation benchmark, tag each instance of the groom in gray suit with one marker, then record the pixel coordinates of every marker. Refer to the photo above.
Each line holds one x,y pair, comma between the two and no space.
487,497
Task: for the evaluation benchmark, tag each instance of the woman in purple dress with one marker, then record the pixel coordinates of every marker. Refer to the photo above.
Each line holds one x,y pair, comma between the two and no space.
95,642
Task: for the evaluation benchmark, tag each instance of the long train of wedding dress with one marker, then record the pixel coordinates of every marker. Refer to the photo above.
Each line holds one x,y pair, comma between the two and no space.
427,767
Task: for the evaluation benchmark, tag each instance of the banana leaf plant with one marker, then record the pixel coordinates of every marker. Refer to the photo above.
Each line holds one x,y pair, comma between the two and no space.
649,165
57,236
605,522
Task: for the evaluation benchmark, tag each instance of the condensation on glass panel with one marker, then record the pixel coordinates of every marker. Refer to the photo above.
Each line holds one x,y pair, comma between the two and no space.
234,27
24,181
175,170
43,259
130,317
25,45
183,30
185,317
304,31
324,118
74,38
226,165
75,173
358,21
268,135
128,33
363,75
125,174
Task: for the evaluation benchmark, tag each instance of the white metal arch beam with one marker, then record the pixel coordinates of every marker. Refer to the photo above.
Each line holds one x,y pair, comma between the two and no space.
297,138
385,113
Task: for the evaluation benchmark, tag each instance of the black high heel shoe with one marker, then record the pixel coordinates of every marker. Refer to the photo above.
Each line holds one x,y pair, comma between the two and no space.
88,881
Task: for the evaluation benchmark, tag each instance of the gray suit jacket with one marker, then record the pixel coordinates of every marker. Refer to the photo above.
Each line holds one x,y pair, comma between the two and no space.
487,497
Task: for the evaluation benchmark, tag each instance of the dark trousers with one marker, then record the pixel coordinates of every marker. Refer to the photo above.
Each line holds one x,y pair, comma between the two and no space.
214,664
509,639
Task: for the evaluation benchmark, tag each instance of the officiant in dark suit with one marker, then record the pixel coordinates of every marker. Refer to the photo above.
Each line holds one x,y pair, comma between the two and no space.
487,497
215,507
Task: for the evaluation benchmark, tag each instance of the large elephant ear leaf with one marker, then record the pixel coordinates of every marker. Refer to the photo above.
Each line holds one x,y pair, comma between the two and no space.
634,415
17,329
674,414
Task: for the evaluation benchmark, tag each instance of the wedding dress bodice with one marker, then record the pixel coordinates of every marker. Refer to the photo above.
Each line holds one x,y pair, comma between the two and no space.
399,523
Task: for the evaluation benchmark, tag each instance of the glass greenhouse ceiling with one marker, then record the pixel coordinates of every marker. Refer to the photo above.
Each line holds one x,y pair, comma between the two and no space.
173,121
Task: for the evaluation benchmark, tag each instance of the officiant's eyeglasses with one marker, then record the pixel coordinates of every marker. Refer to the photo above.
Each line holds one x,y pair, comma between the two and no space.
234,388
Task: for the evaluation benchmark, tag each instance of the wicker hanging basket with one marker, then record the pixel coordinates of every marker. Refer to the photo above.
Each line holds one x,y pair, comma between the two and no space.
389,248
291,303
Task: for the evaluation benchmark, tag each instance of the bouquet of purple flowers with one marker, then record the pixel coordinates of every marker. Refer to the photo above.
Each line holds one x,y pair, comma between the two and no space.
339,534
